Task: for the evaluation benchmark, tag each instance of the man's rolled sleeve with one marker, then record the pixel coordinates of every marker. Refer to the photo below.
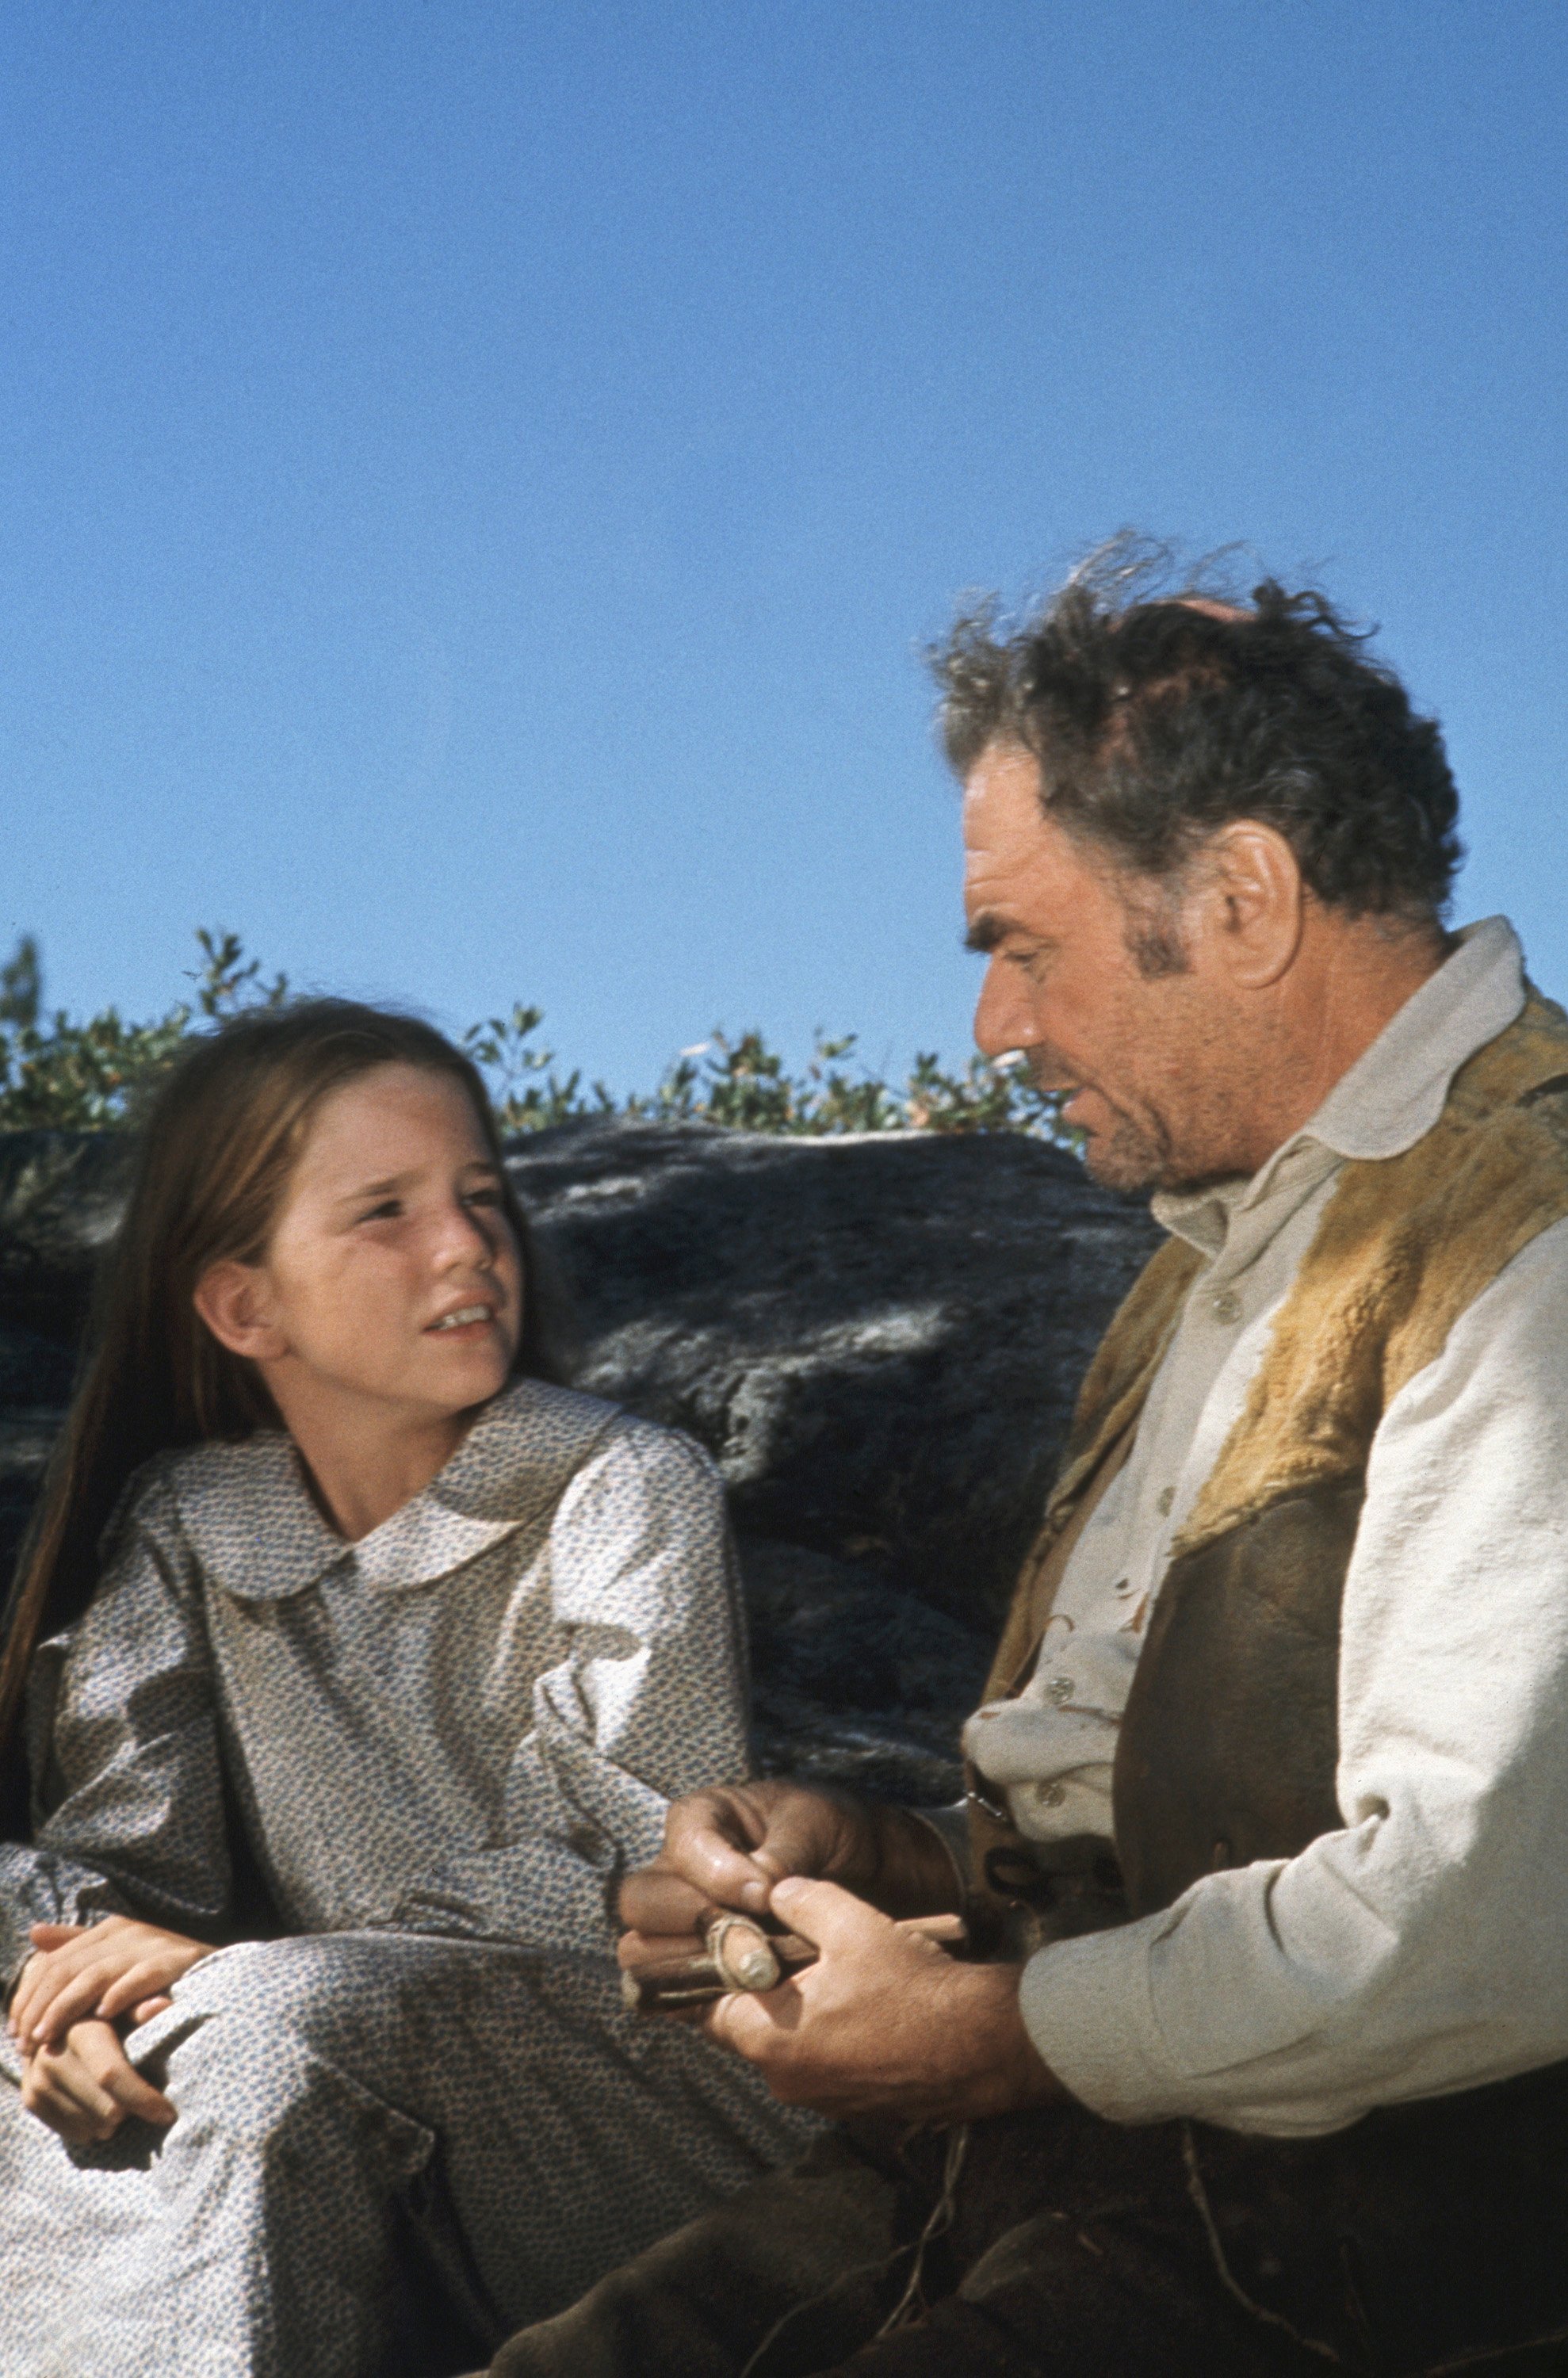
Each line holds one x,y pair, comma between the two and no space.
1088,2008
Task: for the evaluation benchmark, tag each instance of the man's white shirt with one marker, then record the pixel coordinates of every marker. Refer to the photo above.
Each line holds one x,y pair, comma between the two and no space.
1423,1948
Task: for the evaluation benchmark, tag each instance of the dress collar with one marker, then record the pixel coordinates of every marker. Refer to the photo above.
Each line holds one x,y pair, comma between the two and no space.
256,1530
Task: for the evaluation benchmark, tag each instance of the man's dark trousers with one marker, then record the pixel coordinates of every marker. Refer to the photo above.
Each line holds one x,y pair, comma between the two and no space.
1055,2242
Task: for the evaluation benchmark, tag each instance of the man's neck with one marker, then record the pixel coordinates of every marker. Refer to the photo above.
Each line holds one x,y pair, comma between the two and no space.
1350,982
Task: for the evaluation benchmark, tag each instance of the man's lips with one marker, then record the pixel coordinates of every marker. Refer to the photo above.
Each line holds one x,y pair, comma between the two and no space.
1066,1094
1066,1090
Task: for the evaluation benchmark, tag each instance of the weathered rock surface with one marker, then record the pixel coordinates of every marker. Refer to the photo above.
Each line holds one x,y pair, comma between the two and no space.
878,1339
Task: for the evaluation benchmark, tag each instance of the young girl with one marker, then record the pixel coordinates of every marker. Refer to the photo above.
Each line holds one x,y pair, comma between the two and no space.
337,1604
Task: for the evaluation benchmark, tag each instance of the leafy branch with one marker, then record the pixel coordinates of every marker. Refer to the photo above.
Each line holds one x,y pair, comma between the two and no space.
60,1075
63,1074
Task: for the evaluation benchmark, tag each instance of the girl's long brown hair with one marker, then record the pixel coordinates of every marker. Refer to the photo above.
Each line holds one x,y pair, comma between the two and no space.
219,1145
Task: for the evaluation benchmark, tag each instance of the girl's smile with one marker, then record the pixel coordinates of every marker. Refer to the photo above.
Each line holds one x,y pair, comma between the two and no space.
467,1317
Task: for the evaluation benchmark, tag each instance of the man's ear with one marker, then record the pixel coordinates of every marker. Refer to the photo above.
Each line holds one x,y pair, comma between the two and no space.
1255,902
233,1300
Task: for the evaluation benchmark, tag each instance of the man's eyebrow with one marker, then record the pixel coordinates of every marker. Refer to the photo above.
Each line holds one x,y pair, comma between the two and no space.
988,929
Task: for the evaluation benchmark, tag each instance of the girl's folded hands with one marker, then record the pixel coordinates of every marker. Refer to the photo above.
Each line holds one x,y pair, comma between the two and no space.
115,1967
86,2087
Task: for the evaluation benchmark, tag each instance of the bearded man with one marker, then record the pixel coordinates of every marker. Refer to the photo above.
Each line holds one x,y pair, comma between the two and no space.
1267,2066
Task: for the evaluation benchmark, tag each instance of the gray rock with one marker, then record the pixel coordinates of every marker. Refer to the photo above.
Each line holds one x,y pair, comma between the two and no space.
853,1680
26,1436
61,1196
35,1370
878,1339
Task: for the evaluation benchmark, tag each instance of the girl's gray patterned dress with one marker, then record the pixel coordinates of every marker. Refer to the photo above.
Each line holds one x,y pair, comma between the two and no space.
441,1744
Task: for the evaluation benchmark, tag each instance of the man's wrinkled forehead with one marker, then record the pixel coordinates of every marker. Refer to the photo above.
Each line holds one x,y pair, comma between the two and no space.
1003,814
1020,863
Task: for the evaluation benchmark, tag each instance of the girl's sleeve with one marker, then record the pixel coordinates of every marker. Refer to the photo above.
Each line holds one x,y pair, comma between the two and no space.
648,1702
123,1741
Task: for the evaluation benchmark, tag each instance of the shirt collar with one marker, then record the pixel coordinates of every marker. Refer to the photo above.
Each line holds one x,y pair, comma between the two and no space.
1395,1093
256,1530
1388,1099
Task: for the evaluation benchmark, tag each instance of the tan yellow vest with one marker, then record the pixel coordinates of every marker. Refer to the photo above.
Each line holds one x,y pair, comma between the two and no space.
1229,1741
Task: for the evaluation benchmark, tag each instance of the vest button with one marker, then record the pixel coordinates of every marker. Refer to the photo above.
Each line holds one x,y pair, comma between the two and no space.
1226,1307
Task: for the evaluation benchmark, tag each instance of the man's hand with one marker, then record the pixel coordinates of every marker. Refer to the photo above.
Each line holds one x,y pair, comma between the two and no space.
728,1847
115,1967
86,2087
885,2023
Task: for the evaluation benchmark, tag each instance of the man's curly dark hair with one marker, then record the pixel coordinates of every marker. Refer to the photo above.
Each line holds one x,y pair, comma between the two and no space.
1161,709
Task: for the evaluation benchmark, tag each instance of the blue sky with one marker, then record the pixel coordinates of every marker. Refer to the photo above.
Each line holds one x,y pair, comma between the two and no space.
474,476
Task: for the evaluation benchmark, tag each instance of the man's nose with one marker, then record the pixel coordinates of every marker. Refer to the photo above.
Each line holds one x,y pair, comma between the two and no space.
1003,1017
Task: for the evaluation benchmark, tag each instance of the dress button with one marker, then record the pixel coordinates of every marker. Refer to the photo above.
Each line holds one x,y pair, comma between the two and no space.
1165,1497
1060,1690
1226,1307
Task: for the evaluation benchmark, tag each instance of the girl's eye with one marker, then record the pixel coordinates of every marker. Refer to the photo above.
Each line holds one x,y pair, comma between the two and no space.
484,1197
387,1211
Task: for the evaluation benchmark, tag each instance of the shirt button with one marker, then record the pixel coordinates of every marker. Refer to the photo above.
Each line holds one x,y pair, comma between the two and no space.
1060,1690
1052,1794
1226,1307
1164,1500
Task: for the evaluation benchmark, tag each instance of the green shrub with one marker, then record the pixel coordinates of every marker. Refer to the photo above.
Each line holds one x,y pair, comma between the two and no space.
63,1074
